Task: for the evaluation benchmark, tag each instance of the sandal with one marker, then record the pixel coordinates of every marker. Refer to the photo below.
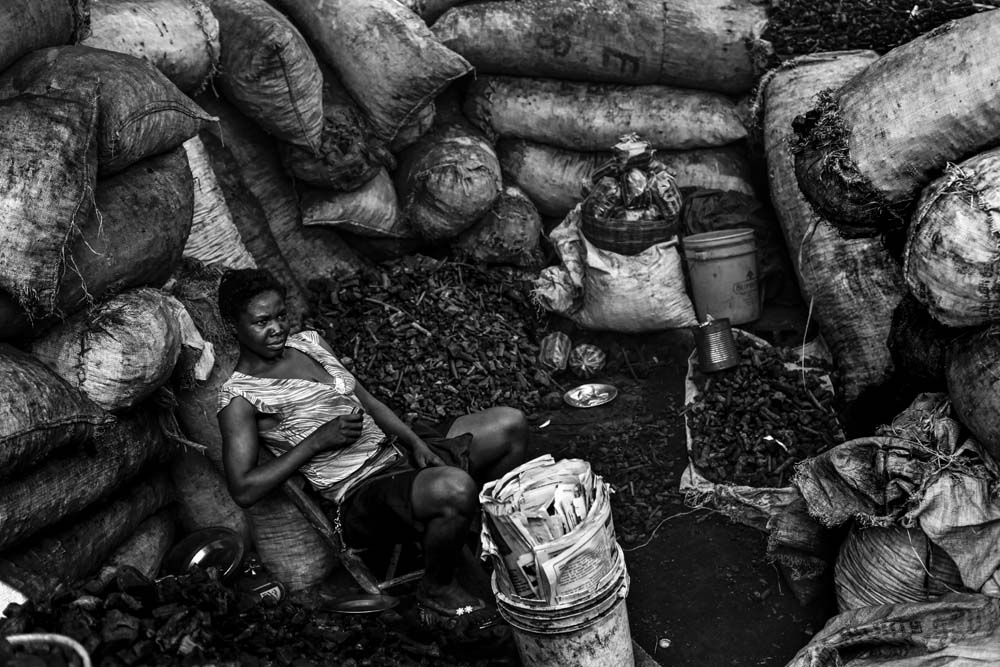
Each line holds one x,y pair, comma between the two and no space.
470,623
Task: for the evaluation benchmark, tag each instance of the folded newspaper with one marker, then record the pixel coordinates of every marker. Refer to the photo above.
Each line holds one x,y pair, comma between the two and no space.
548,527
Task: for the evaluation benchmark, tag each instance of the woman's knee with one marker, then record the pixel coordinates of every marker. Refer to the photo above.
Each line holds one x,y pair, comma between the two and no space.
514,424
445,490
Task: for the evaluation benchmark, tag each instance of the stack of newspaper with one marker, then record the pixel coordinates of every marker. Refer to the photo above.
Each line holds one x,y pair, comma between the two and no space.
547,526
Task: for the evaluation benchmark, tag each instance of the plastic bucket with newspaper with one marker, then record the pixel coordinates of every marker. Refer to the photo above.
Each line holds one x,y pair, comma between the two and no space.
589,633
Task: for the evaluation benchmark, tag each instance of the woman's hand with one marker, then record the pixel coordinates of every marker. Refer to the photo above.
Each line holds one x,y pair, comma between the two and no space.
337,433
423,457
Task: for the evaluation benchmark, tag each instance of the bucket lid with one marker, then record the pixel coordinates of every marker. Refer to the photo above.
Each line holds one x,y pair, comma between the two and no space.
718,237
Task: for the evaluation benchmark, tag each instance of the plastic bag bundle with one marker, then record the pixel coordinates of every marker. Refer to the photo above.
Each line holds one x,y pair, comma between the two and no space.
586,360
553,352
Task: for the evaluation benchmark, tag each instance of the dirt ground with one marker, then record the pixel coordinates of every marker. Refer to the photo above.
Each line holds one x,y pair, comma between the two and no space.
702,591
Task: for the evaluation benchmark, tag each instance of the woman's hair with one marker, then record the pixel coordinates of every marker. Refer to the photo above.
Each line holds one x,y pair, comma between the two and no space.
240,286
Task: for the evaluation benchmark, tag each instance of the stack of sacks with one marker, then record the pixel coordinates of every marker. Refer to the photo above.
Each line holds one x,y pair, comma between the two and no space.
854,285
919,177
108,201
77,482
558,97
96,221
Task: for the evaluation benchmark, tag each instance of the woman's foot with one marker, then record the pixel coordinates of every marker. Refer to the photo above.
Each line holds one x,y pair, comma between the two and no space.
447,597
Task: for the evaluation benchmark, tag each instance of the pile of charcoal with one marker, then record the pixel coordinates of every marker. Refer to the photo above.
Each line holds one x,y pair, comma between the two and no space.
750,424
433,338
196,619
796,27
637,462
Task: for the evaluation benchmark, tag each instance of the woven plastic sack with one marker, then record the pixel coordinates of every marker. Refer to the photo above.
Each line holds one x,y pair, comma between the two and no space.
312,253
973,360
853,284
40,413
700,44
592,116
178,37
609,292
349,153
951,244
956,630
144,216
141,112
372,210
891,565
203,500
448,180
268,71
863,156
509,233
250,220
288,545
382,52
78,548
27,26
52,138
65,485
120,353
214,238
148,545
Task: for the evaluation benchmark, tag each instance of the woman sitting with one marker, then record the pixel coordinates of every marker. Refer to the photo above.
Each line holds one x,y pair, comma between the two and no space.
389,482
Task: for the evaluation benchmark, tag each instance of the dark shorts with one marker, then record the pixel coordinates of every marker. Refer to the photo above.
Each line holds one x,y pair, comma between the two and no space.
380,510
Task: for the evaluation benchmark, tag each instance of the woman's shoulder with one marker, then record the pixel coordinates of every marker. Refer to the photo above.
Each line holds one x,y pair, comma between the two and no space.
311,341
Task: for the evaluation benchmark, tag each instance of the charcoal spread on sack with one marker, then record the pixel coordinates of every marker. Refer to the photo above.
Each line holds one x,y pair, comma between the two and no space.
436,337
751,424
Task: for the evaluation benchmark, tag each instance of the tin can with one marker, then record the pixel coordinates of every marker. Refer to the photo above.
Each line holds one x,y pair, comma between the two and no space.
716,346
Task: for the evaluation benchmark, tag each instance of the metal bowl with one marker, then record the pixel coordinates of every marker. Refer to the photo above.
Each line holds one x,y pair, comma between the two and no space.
590,395
217,547
362,604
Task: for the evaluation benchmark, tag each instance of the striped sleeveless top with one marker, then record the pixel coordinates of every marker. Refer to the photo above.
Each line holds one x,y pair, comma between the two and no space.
301,406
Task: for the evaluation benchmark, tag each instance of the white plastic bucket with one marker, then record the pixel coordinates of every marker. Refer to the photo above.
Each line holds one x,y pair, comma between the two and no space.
590,633
723,269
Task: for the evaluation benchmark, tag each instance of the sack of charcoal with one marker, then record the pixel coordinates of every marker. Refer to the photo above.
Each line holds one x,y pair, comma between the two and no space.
634,202
746,428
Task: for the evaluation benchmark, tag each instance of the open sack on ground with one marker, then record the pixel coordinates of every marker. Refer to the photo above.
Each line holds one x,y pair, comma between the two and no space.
604,291
741,451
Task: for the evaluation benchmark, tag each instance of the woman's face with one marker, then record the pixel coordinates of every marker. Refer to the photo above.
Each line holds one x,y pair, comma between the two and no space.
262,327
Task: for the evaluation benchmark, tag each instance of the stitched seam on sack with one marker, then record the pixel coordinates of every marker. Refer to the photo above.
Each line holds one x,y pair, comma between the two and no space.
201,11
149,110
280,52
79,418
